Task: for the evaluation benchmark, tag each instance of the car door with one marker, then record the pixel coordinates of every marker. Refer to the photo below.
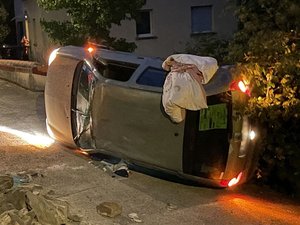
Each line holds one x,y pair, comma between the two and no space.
128,120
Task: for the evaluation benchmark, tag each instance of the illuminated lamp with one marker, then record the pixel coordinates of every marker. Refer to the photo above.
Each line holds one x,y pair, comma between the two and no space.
90,50
232,182
252,135
241,86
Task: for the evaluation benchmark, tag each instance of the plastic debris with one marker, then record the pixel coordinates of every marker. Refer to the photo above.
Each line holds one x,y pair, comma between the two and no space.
171,207
112,166
135,218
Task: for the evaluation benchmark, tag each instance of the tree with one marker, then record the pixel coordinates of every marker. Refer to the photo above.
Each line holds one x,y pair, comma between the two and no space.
209,45
90,19
267,49
4,29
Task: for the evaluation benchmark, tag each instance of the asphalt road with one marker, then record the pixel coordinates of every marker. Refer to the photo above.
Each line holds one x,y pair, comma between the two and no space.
24,146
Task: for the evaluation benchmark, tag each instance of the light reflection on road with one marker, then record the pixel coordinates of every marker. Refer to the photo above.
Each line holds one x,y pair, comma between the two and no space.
38,140
267,212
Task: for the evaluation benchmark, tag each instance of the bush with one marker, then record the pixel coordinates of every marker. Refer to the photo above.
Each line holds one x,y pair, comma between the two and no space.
209,45
267,47
4,30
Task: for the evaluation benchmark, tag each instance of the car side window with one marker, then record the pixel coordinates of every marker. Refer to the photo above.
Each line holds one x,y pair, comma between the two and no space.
152,77
115,70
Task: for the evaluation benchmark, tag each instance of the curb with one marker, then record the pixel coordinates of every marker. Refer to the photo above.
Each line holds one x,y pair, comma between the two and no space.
23,73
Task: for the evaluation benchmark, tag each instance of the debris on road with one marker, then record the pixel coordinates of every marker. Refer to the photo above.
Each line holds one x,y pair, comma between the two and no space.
109,209
171,206
24,203
25,177
135,218
6,182
112,166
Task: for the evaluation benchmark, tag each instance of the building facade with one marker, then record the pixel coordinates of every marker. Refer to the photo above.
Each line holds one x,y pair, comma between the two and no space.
28,15
162,28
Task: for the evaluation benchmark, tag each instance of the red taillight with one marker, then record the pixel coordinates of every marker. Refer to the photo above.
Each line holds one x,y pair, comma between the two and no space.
232,182
241,86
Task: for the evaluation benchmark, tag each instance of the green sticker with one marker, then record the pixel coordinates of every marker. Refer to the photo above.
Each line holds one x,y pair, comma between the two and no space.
214,117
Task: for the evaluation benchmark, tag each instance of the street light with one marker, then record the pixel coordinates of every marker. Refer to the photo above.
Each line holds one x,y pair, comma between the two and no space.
26,24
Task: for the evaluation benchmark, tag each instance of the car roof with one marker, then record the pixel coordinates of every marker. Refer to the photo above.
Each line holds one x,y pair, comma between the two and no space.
110,55
123,56
219,83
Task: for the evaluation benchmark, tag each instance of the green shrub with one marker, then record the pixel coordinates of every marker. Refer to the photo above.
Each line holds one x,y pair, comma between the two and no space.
4,30
267,47
208,45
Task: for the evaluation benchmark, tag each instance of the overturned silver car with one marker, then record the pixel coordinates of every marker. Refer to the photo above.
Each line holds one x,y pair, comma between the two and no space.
110,102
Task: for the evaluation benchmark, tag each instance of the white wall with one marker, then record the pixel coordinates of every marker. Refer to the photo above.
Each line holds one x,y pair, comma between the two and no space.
40,44
171,26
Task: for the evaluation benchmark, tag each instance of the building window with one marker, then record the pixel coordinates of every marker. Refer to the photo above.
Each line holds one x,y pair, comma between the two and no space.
143,23
201,19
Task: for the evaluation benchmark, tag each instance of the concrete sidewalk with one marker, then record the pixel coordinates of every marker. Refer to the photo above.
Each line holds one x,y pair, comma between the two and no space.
27,74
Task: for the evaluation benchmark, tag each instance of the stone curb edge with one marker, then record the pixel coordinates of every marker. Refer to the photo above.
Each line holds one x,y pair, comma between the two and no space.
28,75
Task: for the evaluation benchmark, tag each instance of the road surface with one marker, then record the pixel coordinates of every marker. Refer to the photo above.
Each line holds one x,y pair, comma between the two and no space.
25,146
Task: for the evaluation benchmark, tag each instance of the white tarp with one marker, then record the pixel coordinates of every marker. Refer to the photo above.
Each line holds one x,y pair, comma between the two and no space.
183,85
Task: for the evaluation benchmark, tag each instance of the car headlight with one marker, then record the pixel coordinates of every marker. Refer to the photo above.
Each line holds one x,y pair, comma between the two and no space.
52,56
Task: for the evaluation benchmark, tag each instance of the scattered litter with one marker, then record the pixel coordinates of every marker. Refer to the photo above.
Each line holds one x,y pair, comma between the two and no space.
77,168
122,172
171,207
135,218
25,177
36,174
109,209
31,173
57,167
75,218
111,166
21,179
6,182
51,192
24,203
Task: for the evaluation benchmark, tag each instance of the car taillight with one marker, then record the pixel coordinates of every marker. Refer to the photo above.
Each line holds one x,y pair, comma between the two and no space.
241,86
232,182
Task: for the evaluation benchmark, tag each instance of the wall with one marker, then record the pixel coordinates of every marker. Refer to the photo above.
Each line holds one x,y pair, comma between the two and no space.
23,73
40,44
171,26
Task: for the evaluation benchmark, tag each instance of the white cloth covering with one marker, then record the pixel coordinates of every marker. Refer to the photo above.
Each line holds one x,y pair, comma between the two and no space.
208,66
183,85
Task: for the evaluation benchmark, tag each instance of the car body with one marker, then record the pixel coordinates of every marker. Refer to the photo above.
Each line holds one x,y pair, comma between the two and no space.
110,101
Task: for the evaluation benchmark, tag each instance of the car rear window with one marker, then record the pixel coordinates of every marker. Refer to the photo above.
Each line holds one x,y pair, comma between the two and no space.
152,77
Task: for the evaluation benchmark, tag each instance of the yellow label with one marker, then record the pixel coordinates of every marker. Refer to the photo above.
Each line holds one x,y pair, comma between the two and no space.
214,117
